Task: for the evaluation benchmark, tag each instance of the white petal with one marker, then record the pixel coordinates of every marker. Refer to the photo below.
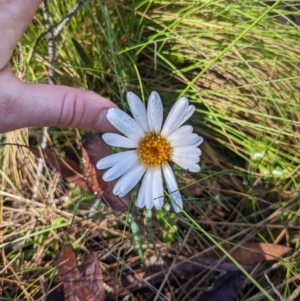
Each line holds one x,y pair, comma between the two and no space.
188,150
191,139
172,188
199,142
154,112
142,193
129,180
145,193
189,165
186,157
181,132
138,110
175,116
149,201
125,124
120,168
158,189
190,111
119,141
113,159
193,167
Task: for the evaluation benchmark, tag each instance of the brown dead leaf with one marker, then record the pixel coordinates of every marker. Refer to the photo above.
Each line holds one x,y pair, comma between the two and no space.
91,271
253,252
93,150
69,169
84,284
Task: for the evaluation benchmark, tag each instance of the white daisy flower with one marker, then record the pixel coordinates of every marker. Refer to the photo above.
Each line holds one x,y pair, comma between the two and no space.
153,146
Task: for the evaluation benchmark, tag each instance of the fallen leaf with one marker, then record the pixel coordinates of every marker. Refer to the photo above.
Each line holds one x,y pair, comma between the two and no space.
253,252
93,150
226,287
84,284
69,169
51,290
92,273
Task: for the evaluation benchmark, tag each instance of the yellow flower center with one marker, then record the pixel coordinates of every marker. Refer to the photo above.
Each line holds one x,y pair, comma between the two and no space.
154,150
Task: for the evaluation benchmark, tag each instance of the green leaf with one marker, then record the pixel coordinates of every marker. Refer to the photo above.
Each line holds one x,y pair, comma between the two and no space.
83,56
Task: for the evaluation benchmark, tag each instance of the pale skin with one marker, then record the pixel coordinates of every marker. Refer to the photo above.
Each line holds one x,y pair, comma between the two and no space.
38,105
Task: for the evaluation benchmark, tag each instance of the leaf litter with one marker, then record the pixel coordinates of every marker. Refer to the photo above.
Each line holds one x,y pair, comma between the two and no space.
227,284
87,176
77,279
226,287
83,283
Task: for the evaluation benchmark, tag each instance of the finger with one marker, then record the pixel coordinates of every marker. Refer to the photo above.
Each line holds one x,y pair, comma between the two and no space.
36,105
15,17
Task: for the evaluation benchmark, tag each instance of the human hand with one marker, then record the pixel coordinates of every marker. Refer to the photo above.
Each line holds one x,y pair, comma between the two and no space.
36,105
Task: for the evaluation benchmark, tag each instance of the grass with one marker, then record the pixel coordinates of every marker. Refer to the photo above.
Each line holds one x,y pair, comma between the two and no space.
240,67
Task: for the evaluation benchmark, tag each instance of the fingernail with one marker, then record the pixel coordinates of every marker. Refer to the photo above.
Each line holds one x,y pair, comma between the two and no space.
103,124
102,117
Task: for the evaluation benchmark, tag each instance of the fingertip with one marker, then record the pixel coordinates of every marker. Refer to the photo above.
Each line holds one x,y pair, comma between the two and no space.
83,109
79,108
38,105
103,124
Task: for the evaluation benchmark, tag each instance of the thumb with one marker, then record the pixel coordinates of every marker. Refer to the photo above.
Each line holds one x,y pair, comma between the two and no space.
36,105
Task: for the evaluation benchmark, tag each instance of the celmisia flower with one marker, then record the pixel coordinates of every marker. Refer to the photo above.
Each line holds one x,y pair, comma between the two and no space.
154,146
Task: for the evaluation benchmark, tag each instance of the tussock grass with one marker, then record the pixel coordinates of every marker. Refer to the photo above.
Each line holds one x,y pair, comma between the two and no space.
239,66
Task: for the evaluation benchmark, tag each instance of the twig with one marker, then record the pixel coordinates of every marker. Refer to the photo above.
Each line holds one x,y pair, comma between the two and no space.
51,74
51,42
59,26
249,225
274,288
